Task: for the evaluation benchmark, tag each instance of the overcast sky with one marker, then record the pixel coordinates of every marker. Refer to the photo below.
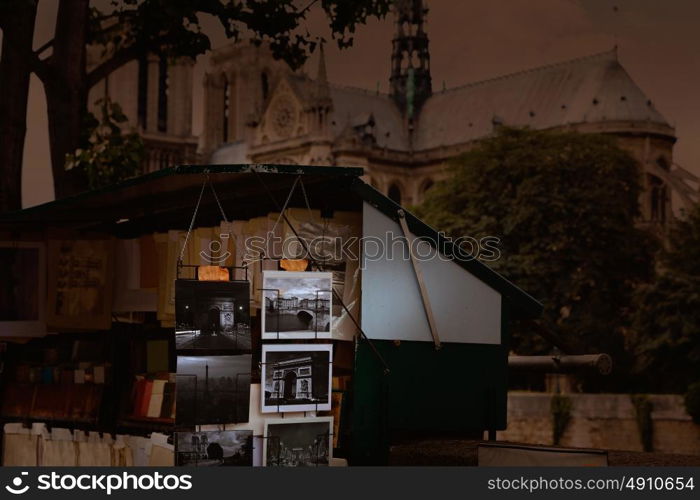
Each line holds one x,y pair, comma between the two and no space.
219,366
301,288
470,40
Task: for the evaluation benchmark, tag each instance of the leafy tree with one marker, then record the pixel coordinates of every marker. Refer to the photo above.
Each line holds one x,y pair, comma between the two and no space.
666,338
563,205
128,29
107,155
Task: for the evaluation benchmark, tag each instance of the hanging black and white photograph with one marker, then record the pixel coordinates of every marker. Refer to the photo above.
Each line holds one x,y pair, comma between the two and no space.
296,305
298,442
212,389
214,448
212,315
296,377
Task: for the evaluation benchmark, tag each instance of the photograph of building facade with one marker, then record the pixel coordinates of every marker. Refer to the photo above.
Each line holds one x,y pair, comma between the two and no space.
256,109
214,448
212,315
298,442
297,377
296,304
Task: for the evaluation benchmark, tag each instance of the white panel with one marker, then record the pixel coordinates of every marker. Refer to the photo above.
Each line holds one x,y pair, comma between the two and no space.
466,309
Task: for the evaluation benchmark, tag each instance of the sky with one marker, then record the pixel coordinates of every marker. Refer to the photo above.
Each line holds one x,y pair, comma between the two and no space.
470,40
301,288
219,366
298,434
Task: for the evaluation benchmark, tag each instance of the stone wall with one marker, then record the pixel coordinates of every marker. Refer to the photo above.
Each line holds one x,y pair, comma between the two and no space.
606,421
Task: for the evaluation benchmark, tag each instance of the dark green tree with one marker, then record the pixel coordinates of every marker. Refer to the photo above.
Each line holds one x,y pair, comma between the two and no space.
666,338
563,205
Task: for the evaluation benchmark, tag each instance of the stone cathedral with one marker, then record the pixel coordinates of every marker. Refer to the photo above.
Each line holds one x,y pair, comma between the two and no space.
256,109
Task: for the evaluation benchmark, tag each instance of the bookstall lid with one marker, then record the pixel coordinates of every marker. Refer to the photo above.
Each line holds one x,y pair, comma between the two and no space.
164,200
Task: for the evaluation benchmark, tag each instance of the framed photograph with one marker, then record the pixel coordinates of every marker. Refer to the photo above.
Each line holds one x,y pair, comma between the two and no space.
212,390
212,315
298,442
23,289
296,377
297,305
214,448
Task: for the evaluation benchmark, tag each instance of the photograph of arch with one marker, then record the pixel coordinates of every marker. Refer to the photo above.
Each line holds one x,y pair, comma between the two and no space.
298,442
214,448
212,315
212,390
296,377
297,305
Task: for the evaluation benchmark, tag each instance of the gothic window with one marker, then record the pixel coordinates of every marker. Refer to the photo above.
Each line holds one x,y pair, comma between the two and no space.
227,109
142,91
404,61
163,94
415,60
657,199
395,193
264,85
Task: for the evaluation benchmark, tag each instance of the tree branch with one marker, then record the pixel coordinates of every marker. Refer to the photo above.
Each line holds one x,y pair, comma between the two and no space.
41,49
40,67
307,7
119,59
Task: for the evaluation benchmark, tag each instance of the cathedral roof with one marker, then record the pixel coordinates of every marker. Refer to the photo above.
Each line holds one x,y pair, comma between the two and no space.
589,89
351,104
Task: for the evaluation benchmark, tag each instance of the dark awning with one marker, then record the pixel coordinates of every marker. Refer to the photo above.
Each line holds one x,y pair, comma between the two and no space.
165,200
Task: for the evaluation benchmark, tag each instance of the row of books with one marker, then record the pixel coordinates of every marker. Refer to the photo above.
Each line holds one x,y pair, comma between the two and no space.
85,373
74,402
153,396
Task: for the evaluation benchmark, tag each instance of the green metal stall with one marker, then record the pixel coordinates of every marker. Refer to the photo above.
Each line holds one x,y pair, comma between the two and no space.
445,374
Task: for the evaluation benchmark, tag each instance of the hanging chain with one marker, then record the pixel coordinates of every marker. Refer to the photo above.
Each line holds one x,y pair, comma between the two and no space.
213,191
306,200
284,208
194,215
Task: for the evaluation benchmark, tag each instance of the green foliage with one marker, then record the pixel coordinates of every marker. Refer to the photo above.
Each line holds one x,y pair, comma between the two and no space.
560,408
108,156
564,207
642,409
666,333
692,401
174,27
